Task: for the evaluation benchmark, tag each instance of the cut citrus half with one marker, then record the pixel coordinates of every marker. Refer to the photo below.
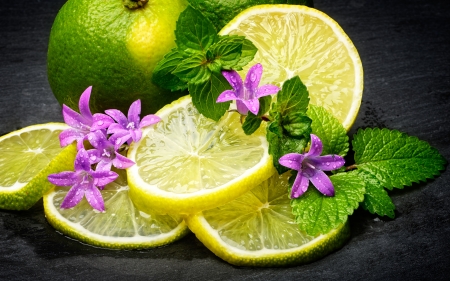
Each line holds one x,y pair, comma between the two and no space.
121,226
297,40
27,157
258,229
188,163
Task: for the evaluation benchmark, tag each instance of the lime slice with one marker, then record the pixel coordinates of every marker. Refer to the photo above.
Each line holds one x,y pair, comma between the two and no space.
27,157
297,40
122,226
258,229
188,163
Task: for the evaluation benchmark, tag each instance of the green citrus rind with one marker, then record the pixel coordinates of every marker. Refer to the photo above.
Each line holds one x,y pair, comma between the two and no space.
26,196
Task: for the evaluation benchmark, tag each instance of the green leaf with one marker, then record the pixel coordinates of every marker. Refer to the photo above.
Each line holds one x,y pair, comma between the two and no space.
204,96
318,214
264,105
248,53
251,123
193,70
329,130
297,125
194,32
376,199
292,98
226,52
162,74
394,158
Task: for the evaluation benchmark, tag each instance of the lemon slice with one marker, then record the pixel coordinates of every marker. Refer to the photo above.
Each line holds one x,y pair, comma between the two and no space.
188,163
121,226
27,157
258,229
297,40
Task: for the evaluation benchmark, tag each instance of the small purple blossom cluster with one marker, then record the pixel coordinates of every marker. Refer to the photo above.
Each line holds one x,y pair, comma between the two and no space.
108,134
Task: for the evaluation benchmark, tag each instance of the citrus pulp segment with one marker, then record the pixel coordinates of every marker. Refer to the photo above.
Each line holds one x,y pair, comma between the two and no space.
297,40
27,157
258,229
188,163
121,226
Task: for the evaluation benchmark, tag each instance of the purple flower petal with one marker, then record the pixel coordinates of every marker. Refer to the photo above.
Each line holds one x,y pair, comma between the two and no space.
104,165
252,105
292,161
117,115
82,161
327,162
63,179
74,196
102,178
75,120
235,81
267,90
94,198
300,186
70,135
134,114
316,147
122,162
149,120
252,80
226,96
83,104
135,135
95,156
99,140
116,128
101,121
322,182
241,107
119,138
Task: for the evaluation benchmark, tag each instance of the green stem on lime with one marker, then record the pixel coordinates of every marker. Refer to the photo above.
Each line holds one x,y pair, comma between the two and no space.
134,4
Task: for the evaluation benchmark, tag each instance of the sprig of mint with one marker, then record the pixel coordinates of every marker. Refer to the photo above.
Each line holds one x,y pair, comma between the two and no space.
197,61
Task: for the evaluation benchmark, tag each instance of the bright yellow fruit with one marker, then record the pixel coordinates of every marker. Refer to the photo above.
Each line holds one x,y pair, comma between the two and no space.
258,229
297,40
187,163
122,226
27,157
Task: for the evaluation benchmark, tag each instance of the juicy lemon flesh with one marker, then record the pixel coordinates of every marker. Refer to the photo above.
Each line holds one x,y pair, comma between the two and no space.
260,219
187,152
296,40
25,154
122,225
259,229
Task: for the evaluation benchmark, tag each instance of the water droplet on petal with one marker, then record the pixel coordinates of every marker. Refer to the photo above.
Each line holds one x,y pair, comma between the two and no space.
93,157
328,163
253,77
100,122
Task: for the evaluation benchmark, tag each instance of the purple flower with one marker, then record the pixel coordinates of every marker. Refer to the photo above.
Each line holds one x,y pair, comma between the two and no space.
246,95
84,182
127,130
310,167
105,153
80,123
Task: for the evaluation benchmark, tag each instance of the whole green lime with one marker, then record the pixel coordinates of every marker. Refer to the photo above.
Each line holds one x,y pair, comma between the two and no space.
113,46
222,11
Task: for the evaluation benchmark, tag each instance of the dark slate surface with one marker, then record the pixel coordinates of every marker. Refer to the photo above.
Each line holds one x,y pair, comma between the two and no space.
405,49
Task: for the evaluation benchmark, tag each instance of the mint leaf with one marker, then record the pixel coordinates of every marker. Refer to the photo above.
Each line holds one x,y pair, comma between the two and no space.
394,158
226,52
329,130
162,74
193,70
252,121
292,98
248,53
204,96
194,32
297,125
317,214
376,199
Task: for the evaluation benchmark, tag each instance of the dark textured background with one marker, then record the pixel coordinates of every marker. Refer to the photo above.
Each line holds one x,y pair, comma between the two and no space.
405,49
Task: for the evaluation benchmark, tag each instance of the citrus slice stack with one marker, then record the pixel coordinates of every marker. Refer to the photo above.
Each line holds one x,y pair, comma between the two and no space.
297,40
187,163
258,229
27,157
122,226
